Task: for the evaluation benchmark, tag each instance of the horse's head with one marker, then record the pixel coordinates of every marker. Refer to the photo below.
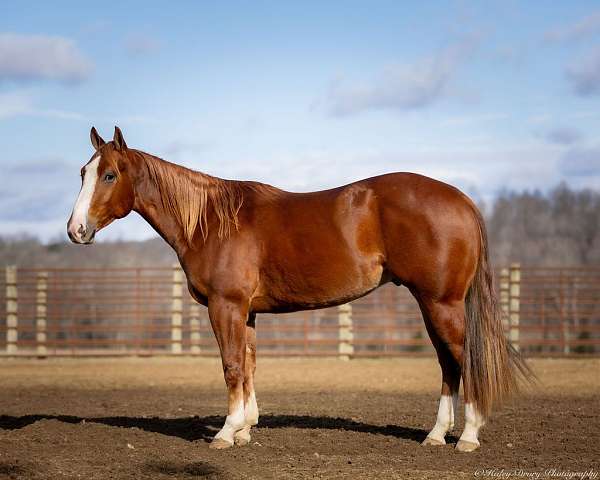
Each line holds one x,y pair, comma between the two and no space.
106,189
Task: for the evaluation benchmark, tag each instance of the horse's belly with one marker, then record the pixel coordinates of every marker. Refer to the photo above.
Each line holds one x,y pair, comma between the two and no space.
324,254
332,285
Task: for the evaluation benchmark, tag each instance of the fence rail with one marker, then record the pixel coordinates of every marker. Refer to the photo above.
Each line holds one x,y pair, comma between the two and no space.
148,311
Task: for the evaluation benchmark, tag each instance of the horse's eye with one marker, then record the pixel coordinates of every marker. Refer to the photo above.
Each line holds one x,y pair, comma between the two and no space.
109,177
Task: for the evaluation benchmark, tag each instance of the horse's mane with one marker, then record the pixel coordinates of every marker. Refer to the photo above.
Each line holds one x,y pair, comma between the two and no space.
187,195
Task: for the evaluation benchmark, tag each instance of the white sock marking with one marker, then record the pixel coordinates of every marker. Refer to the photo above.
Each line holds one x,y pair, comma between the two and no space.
473,422
251,409
233,423
445,418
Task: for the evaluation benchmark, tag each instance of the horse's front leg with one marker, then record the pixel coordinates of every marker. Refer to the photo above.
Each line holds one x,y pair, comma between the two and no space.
228,319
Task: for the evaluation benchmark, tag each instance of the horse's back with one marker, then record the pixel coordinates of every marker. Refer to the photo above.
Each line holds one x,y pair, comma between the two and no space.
328,247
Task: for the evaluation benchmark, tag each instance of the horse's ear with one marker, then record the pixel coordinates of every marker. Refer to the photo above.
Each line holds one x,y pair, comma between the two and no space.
118,139
96,139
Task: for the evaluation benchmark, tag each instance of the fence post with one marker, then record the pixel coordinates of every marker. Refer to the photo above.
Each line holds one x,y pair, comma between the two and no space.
41,313
505,298
195,328
345,333
12,318
515,303
176,309
563,317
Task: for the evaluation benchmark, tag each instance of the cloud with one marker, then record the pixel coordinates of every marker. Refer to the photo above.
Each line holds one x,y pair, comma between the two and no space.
41,57
15,104
580,162
138,45
403,87
585,27
563,136
584,74
47,201
57,114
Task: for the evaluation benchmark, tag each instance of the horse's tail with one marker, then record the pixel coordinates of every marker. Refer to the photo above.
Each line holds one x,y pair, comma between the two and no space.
491,365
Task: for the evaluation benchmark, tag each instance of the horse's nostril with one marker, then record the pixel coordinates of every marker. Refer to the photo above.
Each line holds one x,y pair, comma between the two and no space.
81,230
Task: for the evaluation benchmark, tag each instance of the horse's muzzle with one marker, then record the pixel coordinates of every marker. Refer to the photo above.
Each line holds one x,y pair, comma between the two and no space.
80,234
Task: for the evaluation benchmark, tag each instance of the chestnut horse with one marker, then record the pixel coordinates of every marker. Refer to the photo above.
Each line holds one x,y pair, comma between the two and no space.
249,248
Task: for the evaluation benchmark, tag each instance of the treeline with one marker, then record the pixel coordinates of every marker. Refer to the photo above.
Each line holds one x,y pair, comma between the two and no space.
558,228
30,252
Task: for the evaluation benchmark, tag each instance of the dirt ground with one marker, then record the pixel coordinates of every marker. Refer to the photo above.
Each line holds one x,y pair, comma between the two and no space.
320,418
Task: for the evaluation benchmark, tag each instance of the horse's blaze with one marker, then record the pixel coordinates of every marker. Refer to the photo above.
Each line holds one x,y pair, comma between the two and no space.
79,217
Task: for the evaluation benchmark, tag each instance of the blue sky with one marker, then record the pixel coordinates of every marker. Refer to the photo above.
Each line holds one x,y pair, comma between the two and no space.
307,95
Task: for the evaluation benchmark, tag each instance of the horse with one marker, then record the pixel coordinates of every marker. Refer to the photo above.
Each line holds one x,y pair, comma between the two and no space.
248,248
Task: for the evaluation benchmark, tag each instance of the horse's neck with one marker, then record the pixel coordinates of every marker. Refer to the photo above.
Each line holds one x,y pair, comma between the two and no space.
165,226
148,203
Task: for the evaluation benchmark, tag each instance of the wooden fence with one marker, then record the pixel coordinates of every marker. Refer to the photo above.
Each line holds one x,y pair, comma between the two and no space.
148,311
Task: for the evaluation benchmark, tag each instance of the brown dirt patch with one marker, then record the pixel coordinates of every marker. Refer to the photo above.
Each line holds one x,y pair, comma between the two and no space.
320,418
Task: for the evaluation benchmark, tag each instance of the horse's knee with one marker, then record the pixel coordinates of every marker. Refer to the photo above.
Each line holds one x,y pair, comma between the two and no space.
233,375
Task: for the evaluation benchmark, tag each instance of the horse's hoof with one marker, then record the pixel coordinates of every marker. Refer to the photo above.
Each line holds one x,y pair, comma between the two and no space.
242,438
432,441
220,444
464,446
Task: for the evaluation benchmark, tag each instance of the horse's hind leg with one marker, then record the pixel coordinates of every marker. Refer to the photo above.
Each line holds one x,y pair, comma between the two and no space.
242,437
446,328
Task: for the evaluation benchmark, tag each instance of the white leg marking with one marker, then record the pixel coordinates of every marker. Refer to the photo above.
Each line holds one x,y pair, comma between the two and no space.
233,423
445,418
79,217
242,437
473,422
251,409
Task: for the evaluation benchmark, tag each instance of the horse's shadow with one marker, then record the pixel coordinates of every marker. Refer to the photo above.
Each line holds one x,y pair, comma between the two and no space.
204,428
